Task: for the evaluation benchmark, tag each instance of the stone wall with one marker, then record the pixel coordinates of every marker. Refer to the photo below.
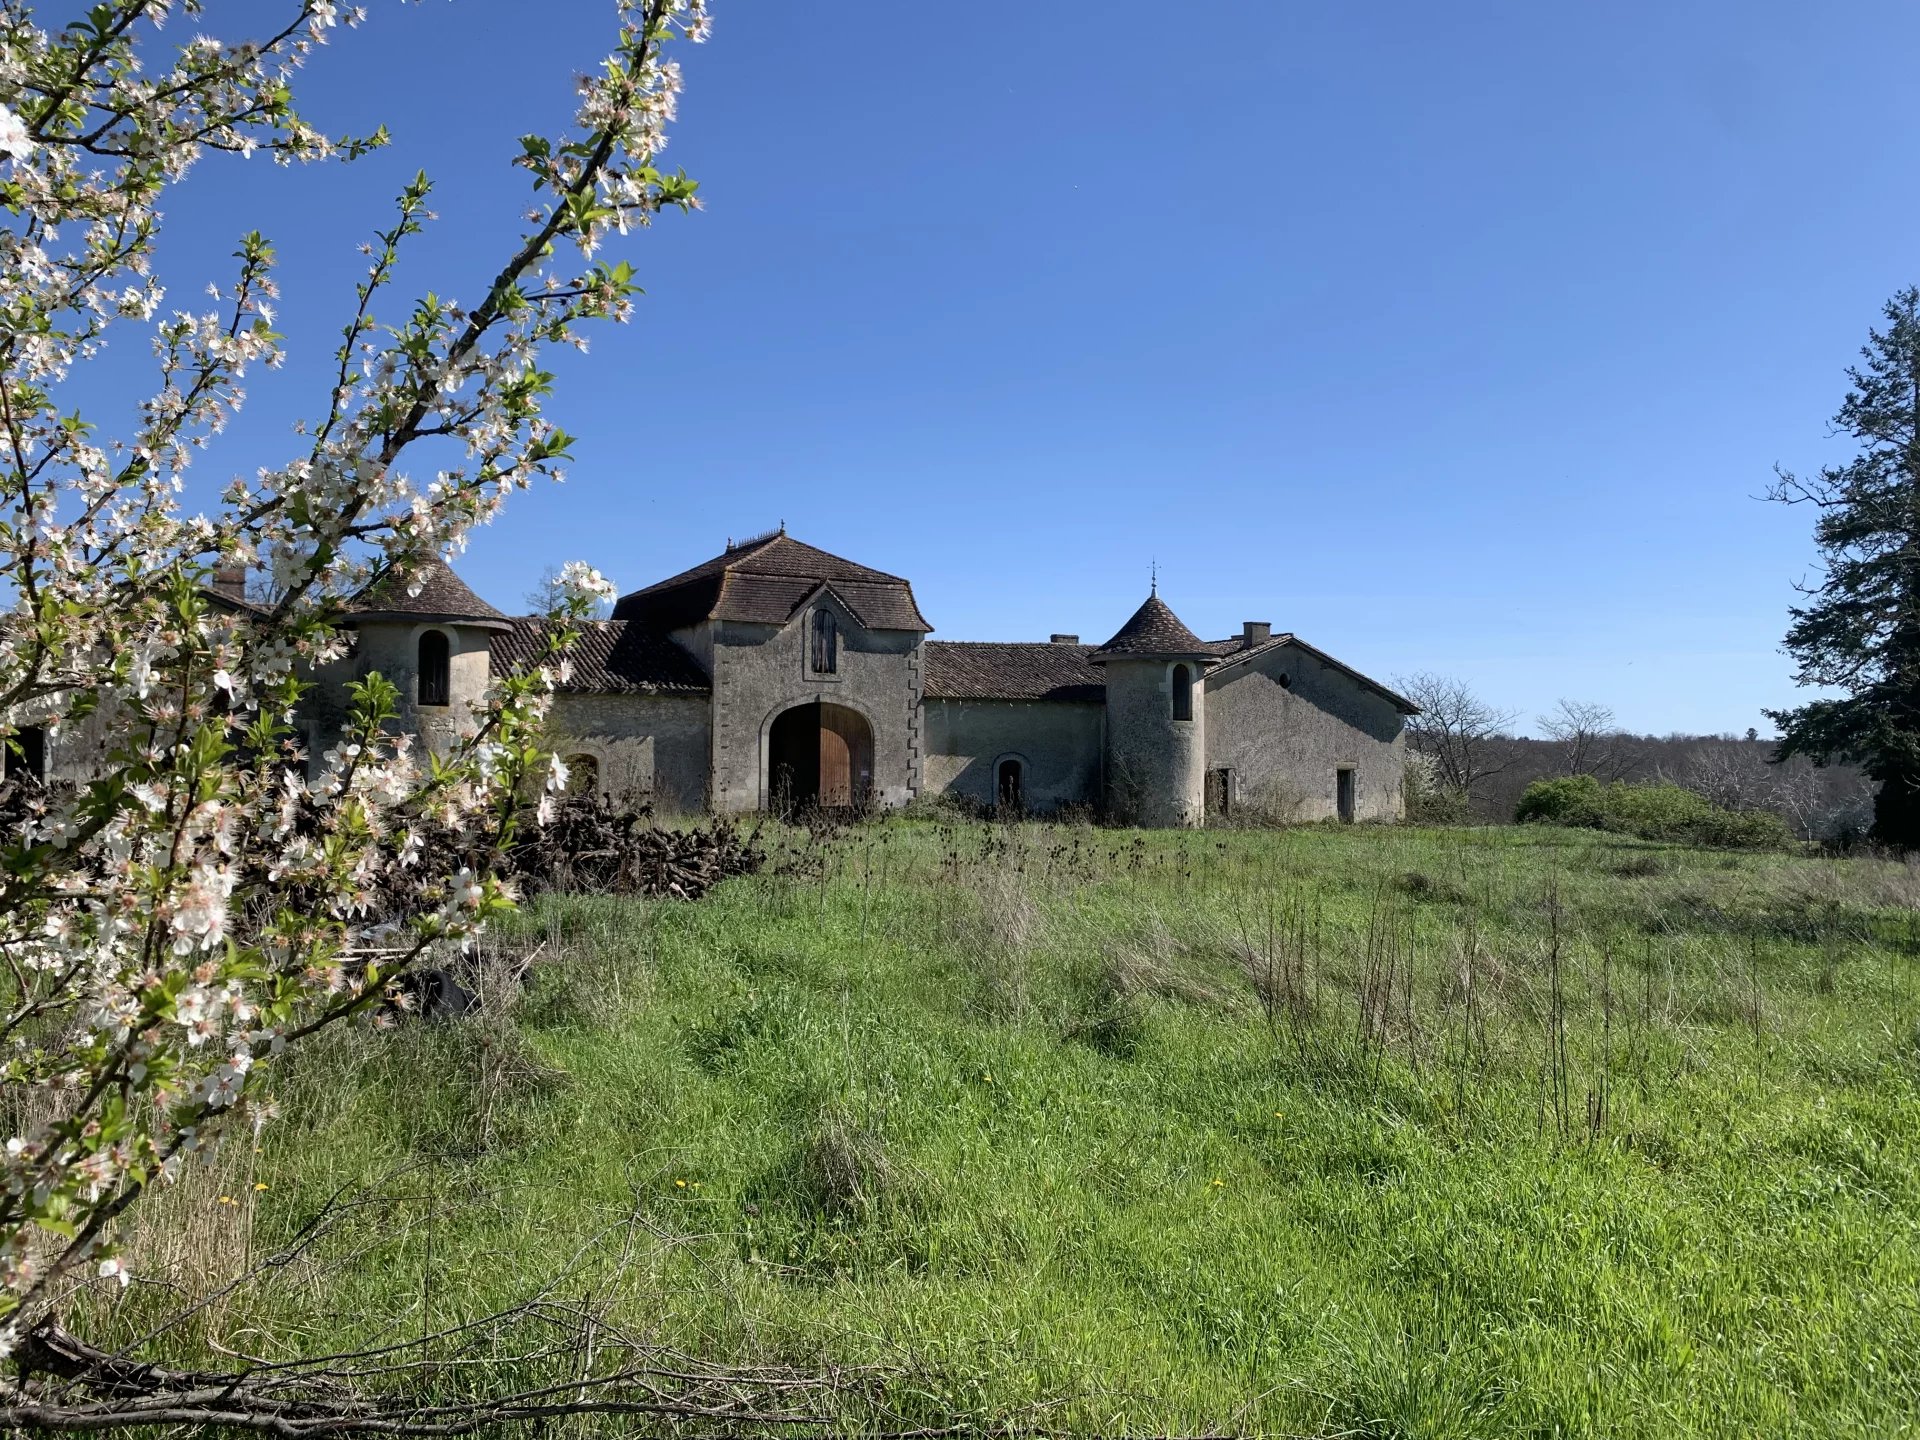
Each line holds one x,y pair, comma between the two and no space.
1284,744
1155,763
392,649
1058,745
646,748
760,671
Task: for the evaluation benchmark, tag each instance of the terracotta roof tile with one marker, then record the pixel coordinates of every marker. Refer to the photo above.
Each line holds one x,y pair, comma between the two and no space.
765,581
1233,651
1013,670
1154,630
442,595
610,657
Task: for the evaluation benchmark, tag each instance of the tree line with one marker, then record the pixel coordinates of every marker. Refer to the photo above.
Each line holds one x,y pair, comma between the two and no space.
1470,765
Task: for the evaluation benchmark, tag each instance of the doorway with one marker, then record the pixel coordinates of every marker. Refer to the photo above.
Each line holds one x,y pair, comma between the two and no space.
1343,795
1008,798
819,757
1219,794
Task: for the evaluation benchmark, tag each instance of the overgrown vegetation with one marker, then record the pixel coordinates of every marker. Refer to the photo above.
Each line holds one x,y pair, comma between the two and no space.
1649,811
1357,1131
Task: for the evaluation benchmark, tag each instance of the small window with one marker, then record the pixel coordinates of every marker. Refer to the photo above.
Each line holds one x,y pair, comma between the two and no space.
435,660
1182,693
1007,790
826,644
1286,681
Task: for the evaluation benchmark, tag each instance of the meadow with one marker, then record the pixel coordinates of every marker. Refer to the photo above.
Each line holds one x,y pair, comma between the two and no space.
1321,1131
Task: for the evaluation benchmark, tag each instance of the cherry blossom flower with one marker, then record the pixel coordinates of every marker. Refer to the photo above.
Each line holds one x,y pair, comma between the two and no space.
223,884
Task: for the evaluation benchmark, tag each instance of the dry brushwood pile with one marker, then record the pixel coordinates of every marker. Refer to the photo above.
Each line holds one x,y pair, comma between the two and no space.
589,847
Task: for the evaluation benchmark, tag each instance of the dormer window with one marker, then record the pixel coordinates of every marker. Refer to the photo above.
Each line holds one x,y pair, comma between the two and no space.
435,660
825,651
1182,693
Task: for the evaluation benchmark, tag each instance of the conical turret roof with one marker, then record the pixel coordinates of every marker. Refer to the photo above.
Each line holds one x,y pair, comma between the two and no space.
440,595
1154,632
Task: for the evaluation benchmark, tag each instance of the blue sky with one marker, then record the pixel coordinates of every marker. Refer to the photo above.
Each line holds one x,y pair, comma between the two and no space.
1456,338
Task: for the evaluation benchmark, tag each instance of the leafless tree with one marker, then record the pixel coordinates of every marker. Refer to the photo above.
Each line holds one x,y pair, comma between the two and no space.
1590,739
1819,802
547,592
1462,737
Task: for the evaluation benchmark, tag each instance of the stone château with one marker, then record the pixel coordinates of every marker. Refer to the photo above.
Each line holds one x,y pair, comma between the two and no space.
776,675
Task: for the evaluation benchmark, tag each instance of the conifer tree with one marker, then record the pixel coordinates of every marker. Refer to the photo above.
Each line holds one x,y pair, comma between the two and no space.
1858,633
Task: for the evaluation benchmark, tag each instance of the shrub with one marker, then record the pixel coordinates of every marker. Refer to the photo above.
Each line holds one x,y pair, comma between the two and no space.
1650,811
1431,800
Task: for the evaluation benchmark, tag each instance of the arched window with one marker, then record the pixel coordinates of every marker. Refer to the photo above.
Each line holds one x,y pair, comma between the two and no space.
1182,693
1007,794
435,659
583,776
826,643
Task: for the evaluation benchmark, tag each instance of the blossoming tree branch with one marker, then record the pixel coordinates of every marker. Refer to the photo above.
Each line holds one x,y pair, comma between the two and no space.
215,894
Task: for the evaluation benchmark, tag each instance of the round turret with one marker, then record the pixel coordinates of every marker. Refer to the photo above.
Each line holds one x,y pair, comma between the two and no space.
1156,740
435,645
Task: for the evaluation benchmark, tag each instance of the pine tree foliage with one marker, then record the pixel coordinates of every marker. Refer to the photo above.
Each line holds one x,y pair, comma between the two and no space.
1858,632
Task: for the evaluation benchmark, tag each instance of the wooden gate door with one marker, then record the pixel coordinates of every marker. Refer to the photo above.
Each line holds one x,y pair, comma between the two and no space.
846,757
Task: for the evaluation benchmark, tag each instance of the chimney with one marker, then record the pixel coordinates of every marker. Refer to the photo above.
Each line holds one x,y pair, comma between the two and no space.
1063,639
1256,632
230,580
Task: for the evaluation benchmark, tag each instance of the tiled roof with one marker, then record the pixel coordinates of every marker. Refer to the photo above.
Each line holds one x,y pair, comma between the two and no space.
442,595
993,670
1154,630
610,657
1232,652
1237,646
765,581
771,599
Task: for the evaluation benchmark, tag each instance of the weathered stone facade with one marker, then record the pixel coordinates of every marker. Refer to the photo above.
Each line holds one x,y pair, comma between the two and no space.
775,675
1285,721
1059,746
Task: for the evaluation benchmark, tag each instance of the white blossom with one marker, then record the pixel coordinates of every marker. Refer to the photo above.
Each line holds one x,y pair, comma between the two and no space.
207,820
14,140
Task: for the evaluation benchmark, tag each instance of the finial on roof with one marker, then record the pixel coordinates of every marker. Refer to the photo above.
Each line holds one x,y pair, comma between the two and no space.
1154,573
783,527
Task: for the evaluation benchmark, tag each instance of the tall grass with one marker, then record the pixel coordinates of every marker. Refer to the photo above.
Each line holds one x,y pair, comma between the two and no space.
1328,1131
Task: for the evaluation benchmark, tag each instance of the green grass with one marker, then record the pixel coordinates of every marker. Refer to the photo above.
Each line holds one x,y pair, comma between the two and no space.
1328,1131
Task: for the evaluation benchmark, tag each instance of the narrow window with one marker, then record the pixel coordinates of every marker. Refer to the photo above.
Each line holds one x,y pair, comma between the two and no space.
826,643
1182,693
1343,795
434,663
1008,795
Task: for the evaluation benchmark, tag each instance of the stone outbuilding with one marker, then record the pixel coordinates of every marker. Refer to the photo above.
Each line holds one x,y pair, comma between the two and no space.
776,676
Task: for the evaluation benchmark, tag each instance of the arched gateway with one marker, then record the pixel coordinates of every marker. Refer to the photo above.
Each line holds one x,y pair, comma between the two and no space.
819,755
